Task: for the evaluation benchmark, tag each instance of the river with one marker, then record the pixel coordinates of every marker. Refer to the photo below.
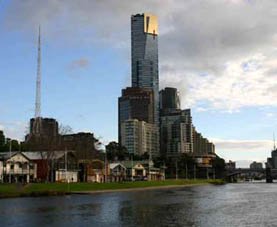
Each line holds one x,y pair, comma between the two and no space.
242,204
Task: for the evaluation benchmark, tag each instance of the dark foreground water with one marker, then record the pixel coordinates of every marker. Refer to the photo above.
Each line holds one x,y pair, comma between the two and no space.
252,204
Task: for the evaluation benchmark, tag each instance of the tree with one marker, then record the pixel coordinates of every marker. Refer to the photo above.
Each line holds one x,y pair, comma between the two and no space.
219,167
186,165
2,141
11,144
65,129
116,152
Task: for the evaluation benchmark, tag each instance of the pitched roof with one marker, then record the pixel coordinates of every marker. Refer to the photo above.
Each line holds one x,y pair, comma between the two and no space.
114,165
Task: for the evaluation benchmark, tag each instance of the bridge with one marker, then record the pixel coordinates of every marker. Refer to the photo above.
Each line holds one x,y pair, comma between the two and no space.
269,174
247,173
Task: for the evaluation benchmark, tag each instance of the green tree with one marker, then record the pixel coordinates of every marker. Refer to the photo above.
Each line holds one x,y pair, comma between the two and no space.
116,152
2,141
11,144
219,167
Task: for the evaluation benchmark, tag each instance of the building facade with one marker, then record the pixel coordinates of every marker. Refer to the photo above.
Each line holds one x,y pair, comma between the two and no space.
140,137
43,135
201,145
169,100
256,165
135,103
176,133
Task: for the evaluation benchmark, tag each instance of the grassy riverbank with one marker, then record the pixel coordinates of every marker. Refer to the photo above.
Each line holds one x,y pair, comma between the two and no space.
47,189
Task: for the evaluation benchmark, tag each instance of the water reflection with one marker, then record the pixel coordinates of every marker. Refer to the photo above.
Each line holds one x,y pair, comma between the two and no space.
228,205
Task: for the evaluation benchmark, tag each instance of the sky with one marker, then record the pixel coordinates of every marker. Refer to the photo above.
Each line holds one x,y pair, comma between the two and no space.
220,54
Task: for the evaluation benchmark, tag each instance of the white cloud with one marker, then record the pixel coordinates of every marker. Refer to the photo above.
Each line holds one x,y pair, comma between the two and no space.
14,130
221,55
243,151
242,145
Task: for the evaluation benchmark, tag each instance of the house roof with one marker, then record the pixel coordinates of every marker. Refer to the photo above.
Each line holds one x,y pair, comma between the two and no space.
114,165
37,155
33,155
7,155
130,164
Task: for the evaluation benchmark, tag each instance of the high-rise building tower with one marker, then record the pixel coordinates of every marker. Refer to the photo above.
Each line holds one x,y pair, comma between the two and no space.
144,48
169,100
138,107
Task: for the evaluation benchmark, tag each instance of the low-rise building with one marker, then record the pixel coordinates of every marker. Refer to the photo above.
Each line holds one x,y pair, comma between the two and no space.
117,172
19,168
96,171
143,170
256,165
204,160
230,165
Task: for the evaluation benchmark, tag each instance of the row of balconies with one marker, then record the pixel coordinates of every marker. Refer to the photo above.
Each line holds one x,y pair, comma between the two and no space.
18,171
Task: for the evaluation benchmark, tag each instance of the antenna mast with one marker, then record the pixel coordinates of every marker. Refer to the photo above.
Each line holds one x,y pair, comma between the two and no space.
38,83
36,129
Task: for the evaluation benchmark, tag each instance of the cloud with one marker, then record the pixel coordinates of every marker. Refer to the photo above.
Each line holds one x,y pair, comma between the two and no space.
243,145
79,64
243,151
218,52
14,130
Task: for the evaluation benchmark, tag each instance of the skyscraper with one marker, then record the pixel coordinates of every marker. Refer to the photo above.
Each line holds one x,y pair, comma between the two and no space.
144,48
169,100
138,107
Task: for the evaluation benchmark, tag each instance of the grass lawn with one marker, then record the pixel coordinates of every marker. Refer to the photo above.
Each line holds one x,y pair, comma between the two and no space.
40,189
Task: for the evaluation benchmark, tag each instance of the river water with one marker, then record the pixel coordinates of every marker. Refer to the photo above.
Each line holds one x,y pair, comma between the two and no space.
242,204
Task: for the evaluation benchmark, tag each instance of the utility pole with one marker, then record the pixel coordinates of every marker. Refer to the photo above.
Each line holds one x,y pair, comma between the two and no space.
149,160
132,163
105,166
186,170
65,166
10,176
194,171
176,166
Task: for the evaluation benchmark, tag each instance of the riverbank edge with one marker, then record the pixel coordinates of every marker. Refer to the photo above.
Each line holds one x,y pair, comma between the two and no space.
137,189
43,193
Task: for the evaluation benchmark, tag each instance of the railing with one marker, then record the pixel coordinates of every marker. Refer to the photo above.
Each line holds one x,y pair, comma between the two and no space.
19,171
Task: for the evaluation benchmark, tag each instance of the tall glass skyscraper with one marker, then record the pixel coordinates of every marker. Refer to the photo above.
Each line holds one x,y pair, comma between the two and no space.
144,48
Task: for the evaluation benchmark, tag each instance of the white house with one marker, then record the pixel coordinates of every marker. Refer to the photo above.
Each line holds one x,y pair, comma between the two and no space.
19,168
117,172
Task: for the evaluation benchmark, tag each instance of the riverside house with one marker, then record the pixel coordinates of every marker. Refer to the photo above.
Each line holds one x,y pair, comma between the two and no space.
117,172
38,166
17,167
142,170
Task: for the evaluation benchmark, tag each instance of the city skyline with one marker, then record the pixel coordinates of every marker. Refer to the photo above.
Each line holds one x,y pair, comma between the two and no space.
236,110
